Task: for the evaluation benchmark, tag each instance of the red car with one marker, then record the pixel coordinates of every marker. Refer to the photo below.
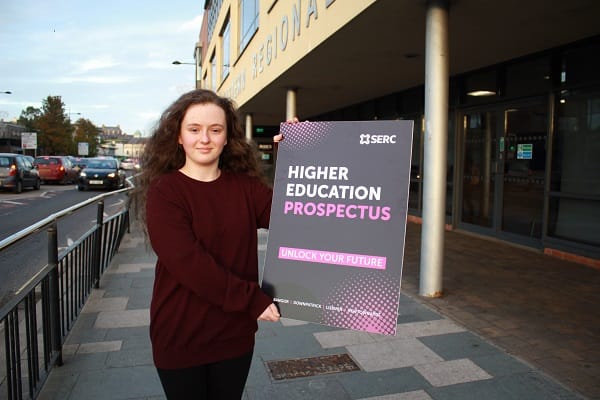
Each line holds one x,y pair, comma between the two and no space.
56,169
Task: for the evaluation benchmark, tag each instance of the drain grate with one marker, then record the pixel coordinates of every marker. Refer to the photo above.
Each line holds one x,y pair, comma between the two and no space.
302,367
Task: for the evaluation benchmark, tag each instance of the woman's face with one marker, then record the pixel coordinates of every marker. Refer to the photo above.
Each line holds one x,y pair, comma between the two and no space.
203,134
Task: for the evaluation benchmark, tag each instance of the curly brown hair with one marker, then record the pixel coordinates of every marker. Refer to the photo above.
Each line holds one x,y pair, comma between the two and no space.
163,153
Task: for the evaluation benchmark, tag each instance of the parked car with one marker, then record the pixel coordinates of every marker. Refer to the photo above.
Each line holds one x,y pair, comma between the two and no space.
130,164
56,169
16,173
101,173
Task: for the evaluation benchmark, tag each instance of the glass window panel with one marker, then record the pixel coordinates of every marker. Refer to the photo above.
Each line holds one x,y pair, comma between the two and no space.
412,101
450,165
387,107
581,65
575,161
351,113
478,186
416,177
524,154
528,78
575,183
248,21
213,72
213,15
367,111
575,219
226,43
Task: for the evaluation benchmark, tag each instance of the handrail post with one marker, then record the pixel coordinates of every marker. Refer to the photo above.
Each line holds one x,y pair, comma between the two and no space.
98,243
127,213
55,322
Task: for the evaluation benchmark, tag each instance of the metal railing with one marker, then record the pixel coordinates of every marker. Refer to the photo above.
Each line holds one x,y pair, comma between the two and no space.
39,316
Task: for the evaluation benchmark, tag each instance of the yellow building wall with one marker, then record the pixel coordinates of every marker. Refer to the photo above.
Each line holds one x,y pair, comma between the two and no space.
288,30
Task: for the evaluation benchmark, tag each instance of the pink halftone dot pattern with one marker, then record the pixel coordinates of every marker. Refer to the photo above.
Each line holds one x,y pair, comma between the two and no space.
360,294
304,135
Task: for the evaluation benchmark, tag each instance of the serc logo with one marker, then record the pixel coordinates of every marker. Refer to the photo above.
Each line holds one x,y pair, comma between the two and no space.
367,138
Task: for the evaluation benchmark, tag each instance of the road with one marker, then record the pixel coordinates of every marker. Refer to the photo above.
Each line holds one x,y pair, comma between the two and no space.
18,211
24,259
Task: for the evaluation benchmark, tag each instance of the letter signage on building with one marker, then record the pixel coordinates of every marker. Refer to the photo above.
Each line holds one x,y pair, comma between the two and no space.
338,223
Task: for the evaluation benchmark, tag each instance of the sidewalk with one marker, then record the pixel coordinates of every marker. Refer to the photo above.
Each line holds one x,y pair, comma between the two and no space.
448,348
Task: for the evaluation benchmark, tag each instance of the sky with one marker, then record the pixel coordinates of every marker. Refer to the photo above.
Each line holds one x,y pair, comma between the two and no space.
109,61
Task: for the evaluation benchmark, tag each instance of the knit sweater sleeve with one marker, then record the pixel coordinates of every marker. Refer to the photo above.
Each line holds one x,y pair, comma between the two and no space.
187,261
263,196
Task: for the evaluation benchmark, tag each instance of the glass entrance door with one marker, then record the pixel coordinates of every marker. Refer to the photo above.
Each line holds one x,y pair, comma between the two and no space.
503,170
524,170
479,161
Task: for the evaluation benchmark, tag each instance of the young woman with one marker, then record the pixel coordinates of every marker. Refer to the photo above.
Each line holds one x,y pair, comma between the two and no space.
203,199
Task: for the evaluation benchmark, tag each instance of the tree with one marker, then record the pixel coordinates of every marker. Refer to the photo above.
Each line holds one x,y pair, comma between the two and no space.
29,118
55,129
87,132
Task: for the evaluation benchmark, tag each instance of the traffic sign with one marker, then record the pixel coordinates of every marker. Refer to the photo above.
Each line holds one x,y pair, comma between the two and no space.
29,140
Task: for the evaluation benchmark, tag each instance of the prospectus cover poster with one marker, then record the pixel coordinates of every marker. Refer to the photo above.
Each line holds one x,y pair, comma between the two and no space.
338,221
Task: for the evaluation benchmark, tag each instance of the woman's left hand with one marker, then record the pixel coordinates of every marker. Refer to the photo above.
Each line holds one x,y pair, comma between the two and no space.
271,313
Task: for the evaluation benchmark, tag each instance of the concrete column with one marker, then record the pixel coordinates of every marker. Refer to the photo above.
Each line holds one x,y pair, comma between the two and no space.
435,145
249,127
290,112
290,104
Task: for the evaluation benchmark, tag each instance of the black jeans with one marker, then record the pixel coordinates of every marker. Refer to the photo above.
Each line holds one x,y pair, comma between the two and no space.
222,380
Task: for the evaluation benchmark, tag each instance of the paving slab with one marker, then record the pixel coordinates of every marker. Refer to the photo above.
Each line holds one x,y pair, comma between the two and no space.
462,346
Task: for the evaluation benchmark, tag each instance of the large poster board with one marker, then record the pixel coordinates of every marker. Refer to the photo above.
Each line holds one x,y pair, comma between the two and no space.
338,221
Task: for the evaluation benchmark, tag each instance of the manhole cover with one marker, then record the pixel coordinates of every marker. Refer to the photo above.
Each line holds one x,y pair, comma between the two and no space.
301,367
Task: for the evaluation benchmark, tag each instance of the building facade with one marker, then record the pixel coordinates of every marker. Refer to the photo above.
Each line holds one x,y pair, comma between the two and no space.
115,143
10,137
522,131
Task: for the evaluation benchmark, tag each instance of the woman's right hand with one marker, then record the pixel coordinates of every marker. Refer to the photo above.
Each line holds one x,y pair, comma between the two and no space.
271,313
279,137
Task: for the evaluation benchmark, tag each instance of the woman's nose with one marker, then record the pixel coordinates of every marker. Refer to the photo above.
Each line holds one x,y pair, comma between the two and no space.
204,137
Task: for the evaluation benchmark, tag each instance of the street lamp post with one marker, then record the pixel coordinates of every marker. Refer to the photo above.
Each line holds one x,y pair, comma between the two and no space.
177,62
72,113
197,64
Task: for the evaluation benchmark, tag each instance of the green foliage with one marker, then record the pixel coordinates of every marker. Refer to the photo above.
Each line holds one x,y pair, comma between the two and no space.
56,134
87,132
29,118
55,128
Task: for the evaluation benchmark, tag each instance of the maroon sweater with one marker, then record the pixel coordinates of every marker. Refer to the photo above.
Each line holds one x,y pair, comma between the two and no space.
206,296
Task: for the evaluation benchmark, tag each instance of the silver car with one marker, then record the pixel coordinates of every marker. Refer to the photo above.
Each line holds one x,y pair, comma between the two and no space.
17,172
